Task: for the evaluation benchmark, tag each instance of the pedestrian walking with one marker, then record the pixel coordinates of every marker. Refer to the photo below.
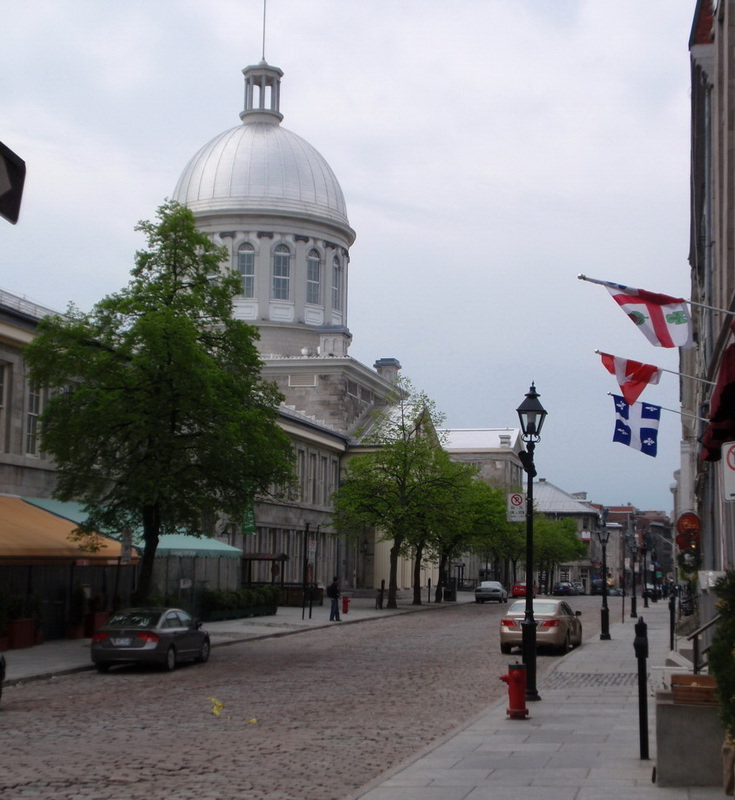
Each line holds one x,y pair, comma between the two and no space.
333,593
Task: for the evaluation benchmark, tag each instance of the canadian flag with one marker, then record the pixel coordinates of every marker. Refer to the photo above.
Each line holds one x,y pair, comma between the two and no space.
632,376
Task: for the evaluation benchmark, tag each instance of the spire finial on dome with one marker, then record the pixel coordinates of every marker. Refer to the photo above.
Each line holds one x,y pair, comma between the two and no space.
262,55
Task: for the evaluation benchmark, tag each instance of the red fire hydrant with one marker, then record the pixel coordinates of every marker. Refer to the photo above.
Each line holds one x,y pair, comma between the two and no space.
345,604
516,680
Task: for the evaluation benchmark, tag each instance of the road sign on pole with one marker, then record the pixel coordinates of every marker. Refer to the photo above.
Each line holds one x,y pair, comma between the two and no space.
728,470
516,507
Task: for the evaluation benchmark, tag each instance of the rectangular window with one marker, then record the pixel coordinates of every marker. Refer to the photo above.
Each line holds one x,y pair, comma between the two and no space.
313,279
281,273
324,480
33,410
336,286
313,479
246,267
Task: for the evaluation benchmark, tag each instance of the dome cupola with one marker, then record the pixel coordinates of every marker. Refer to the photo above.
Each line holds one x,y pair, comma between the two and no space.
261,167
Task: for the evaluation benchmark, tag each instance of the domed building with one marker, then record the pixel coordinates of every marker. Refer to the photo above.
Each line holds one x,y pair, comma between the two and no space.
274,202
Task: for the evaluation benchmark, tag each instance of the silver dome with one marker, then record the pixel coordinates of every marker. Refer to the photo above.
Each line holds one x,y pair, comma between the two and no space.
263,168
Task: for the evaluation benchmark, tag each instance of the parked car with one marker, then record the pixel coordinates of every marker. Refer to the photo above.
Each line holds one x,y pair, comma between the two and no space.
579,586
163,636
564,588
557,626
491,590
519,589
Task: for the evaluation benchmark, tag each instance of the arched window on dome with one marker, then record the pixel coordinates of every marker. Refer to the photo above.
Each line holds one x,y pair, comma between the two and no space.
246,268
281,273
336,284
313,278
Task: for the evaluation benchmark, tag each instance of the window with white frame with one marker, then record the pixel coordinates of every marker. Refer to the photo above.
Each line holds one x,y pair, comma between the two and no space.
281,273
313,278
33,411
336,284
246,268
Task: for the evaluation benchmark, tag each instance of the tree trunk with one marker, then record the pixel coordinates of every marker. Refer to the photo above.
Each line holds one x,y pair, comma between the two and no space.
418,557
151,530
442,578
393,578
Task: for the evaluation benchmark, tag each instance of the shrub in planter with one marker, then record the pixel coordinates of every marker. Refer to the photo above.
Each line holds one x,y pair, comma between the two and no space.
722,667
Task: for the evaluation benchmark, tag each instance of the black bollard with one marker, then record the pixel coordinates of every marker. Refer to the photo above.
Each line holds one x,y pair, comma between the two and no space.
640,645
672,621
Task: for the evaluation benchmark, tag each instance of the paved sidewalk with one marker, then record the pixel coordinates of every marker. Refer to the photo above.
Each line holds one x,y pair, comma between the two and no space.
581,741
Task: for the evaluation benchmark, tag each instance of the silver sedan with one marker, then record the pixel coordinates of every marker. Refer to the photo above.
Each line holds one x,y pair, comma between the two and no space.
557,626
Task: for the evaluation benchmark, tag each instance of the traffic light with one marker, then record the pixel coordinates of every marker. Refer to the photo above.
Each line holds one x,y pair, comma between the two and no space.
12,178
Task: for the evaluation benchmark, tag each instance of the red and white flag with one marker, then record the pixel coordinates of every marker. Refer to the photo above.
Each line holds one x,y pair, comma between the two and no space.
632,376
662,319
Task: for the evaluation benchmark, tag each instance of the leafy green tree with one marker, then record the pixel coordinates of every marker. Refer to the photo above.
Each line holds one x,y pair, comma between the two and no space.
473,515
392,486
449,518
158,413
555,542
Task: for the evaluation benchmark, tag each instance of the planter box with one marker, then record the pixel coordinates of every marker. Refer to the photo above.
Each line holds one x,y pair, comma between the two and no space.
694,689
21,633
93,621
75,631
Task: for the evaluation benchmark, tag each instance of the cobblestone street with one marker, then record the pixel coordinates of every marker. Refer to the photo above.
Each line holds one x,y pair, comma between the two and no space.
312,716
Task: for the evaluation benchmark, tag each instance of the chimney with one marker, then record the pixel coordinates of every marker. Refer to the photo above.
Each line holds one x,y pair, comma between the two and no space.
388,368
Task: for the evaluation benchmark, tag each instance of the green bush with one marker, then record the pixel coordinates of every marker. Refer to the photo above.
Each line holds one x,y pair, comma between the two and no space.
722,651
231,600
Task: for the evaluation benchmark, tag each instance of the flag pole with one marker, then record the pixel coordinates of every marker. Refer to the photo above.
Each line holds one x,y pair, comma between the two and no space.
672,410
622,286
673,372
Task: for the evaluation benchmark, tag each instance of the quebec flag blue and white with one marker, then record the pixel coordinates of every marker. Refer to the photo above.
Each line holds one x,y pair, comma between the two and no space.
637,425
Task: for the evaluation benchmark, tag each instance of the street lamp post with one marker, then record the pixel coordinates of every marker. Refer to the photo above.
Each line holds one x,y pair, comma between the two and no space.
531,415
644,550
603,534
633,547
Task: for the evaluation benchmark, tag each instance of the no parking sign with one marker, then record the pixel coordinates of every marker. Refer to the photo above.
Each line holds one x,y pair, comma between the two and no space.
517,506
728,470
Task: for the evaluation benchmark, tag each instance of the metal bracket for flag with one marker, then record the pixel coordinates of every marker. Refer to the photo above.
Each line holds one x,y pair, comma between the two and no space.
623,287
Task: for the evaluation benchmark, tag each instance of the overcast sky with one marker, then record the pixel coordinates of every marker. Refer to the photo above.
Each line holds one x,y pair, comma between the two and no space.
489,152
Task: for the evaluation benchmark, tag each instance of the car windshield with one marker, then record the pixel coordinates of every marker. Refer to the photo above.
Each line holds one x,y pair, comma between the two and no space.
134,619
539,607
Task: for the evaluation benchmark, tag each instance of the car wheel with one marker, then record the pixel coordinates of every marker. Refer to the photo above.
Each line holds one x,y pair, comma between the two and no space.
203,656
505,649
170,663
567,646
477,600
102,667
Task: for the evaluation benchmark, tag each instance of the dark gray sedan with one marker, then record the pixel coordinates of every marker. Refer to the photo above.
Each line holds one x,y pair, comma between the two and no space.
163,636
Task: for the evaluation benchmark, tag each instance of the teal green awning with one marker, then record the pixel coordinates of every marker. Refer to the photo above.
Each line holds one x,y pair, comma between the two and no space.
180,545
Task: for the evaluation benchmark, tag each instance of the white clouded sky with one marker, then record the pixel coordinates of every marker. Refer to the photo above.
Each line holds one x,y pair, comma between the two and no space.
489,151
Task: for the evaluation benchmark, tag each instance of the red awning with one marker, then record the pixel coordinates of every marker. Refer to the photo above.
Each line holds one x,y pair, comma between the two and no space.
721,427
